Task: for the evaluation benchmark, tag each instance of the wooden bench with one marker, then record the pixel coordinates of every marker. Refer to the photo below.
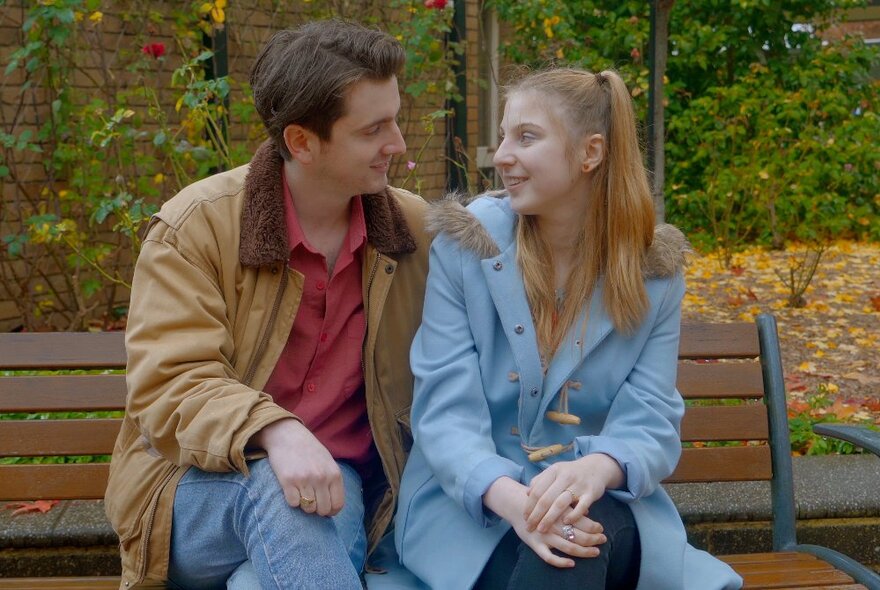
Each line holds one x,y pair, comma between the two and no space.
732,376
719,363
55,352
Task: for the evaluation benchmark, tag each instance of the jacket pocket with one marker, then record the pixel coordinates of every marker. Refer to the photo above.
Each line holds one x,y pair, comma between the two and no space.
404,427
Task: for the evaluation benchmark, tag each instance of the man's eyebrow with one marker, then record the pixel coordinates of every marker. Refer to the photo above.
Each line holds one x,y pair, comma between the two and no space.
378,122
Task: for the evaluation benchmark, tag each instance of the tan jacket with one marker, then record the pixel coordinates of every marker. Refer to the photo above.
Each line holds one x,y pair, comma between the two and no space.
212,304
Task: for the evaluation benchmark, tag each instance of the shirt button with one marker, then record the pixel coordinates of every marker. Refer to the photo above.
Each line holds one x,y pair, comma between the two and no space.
324,337
497,266
311,387
534,392
320,285
389,268
519,329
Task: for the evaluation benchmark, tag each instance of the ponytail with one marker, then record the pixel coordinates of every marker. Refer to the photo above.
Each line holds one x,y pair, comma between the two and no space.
630,212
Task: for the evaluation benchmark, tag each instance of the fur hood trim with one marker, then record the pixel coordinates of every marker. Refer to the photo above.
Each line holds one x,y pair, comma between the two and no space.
264,233
666,257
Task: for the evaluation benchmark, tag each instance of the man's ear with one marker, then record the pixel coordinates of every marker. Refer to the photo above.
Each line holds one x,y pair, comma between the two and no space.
301,143
594,152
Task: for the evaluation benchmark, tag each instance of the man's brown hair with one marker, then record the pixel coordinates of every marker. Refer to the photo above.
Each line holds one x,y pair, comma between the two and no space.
301,75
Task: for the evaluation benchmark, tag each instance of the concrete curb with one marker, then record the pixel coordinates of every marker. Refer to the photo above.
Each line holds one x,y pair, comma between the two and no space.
837,498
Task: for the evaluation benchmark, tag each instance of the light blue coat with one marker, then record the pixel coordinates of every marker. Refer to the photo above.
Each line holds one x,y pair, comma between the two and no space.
481,395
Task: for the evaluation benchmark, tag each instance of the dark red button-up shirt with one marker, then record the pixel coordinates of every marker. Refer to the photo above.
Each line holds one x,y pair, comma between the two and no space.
319,376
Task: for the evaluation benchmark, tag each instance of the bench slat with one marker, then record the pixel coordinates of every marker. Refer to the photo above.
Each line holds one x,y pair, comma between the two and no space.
62,393
34,438
70,481
741,380
62,350
788,556
783,566
705,340
704,423
751,463
785,579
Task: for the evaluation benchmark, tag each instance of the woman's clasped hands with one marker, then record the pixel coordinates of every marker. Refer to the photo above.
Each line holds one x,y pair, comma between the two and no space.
557,503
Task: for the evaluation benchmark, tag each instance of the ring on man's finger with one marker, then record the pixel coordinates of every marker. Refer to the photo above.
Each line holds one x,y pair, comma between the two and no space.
568,532
304,502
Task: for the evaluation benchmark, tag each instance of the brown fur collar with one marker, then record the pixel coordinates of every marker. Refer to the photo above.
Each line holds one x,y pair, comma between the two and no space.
263,232
666,256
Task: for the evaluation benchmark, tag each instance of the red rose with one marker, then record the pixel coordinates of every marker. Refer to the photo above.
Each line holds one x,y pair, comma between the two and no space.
155,50
438,4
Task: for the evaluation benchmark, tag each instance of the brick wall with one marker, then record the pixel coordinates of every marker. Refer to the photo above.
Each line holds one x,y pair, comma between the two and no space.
102,60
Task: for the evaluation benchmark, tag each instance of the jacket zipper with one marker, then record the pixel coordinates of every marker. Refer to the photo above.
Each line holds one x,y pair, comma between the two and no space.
367,314
145,541
261,348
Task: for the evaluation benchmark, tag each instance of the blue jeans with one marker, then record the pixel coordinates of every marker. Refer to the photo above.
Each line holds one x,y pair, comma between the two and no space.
225,524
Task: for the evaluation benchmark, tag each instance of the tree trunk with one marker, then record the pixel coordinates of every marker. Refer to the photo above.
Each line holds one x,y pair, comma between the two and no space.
660,10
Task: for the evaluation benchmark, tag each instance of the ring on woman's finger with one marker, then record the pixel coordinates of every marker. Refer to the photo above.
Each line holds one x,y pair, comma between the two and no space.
568,532
574,497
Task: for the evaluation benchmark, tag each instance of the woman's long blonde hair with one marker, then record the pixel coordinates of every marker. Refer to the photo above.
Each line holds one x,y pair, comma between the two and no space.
618,227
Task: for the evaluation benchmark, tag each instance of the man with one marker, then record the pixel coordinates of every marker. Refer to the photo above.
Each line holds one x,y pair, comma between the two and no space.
268,336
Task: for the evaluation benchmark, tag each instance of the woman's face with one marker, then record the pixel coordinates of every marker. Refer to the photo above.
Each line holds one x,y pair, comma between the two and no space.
540,167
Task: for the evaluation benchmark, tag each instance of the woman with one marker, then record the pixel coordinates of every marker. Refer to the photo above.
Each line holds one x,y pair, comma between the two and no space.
545,413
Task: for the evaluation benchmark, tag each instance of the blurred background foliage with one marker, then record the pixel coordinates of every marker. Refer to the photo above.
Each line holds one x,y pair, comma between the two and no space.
771,118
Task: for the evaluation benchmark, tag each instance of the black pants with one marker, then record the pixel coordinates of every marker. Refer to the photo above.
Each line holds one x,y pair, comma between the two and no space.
514,565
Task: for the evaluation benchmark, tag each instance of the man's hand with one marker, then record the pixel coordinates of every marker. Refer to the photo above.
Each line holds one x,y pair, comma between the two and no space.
308,474
507,498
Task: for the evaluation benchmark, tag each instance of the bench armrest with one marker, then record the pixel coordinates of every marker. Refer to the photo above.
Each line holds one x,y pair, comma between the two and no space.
859,572
857,435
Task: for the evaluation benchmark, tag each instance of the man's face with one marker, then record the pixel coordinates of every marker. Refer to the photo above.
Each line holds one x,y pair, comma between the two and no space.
356,158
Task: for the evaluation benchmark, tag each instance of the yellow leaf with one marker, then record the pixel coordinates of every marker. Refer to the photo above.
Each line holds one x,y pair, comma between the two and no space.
764,175
96,16
205,8
807,367
218,15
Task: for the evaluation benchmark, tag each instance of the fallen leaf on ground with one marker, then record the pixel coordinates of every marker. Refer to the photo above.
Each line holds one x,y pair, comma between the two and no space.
862,378
42,506
842,410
